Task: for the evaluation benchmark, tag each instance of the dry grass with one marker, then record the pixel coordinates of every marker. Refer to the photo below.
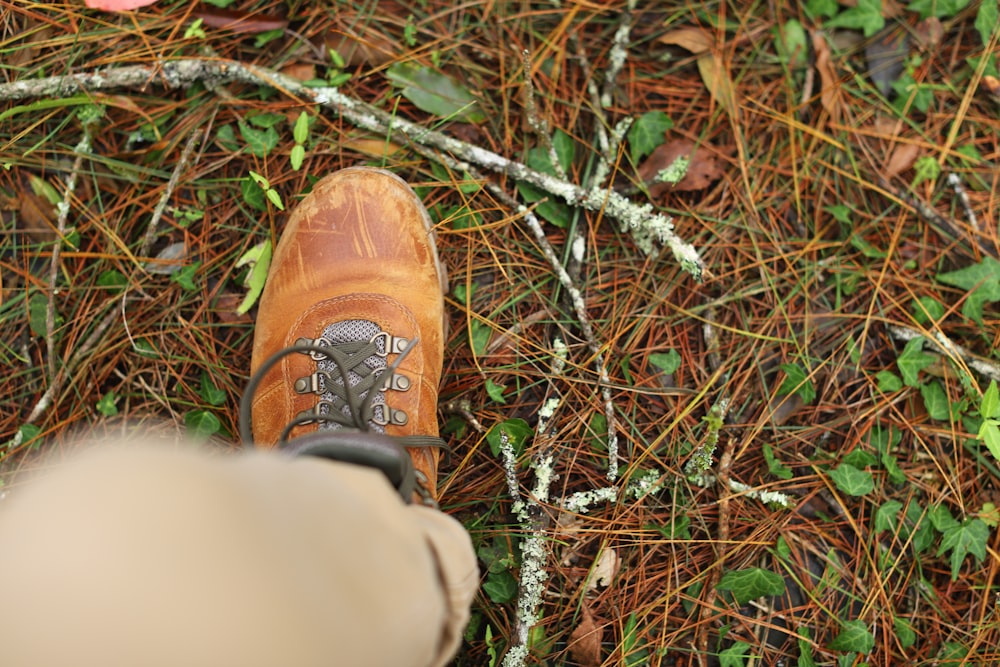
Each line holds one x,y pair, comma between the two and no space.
787,286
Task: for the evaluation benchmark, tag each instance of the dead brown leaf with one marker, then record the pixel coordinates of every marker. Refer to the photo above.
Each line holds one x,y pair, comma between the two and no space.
604,571
300,71
704,167
927,34
829,95
695,40
585,640
715,75
358,48
236,21
902,158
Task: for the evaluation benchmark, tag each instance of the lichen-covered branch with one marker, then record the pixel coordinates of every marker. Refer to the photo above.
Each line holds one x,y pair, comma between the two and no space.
647,227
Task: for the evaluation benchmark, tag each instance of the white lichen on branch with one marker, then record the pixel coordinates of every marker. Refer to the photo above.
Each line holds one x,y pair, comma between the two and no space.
649,228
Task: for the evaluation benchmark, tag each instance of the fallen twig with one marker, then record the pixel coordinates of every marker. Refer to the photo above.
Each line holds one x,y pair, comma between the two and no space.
647,227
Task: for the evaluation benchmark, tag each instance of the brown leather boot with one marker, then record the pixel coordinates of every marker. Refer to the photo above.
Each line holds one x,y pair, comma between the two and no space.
348,347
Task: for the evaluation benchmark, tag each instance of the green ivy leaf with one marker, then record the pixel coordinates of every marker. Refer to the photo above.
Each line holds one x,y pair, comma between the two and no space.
751,583
435,93
495,391
668,361
912,360
827,8
982,280
735,655
969,537
202,424
774,466
480,335
517,431
185,276
888,382
501,587
647,133
936,401
253,194
854,637
260,142
866,15
259,260
904,632
852,481
208,391
987,20
938,8
887,516
797,381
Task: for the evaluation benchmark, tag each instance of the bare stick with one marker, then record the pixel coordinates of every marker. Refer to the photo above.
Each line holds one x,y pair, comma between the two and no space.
82,149
647,227
168,192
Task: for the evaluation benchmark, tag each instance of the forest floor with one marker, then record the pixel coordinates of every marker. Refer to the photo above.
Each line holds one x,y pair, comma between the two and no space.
782,450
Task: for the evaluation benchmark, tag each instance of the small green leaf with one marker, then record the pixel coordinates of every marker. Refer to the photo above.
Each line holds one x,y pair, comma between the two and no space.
275,198
887,516
598,432
989,407
989,433
982,280
266,119
927,309
854,637
565,148
859,458
904,632
208,391
260,142
226,137
912,360
668,361
969,537
517,431
774,466
38,307
797,381
792,44
301,130
185,276
495,391
253,194
936,401
888,382
435,93
827,8
264,38
840,212
938,8
259,260
926,169
805,649
735,655
647,133
752,583
501,587
202,424
106,406
866,15
297,156
987,20
852,481
480,335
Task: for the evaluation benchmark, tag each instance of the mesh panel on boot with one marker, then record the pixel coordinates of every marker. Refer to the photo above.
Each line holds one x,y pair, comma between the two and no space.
348,331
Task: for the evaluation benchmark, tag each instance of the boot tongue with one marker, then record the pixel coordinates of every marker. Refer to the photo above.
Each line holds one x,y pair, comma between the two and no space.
354,331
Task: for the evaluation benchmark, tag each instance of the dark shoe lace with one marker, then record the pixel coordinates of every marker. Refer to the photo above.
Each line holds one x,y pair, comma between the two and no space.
352,412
